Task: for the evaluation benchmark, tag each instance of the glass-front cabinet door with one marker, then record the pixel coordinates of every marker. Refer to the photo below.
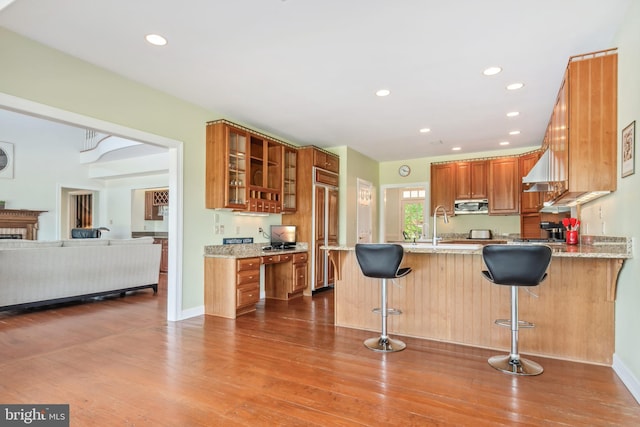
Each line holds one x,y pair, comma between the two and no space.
289,178
236,189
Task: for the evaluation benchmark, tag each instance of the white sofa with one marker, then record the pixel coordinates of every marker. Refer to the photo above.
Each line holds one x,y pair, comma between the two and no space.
36,272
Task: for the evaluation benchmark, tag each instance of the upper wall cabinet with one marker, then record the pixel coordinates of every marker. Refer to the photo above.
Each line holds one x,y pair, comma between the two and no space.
582,131
504,186
289,180
247,171
443,186
530,202
471,180
593,82
265,176
227,167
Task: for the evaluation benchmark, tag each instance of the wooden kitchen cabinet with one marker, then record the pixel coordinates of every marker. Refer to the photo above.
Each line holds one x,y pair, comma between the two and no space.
503,186
153,200
164,257
592,111
471,180
244,170
299,267
226,167
289,180
530,202
443,186
582,131
317,215
265,179
326,161
287,276
232,286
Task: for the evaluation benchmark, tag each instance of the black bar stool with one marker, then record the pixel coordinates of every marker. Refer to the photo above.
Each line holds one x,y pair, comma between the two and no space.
515,266
382,261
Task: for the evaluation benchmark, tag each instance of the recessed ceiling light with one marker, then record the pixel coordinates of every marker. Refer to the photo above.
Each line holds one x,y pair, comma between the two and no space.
156,39
514,132
425,130
515,86
456,149
513,114
383,92
491,71
504,143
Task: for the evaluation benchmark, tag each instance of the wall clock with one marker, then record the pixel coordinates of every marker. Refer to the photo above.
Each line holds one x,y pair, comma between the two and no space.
404,170
6,160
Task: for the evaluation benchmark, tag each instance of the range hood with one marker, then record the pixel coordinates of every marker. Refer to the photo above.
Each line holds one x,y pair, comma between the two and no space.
540,174
541,181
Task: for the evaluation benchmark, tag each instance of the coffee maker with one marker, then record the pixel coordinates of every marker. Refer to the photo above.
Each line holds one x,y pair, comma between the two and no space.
555,230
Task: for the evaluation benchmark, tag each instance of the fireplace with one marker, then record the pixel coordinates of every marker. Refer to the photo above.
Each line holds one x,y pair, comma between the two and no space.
19,224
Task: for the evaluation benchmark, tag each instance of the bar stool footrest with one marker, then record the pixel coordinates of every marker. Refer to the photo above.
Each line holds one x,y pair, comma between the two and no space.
392,311
521,323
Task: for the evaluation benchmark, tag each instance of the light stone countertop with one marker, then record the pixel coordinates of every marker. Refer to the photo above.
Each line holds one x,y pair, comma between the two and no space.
249,250
606,247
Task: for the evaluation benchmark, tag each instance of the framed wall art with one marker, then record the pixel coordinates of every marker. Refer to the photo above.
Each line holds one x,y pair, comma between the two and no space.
629,149
6,160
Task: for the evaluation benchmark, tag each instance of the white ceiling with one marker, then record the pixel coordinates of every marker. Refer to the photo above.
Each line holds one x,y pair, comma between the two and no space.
307,71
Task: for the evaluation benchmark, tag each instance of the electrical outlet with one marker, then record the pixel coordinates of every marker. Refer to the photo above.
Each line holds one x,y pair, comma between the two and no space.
217,229
222,229
259,229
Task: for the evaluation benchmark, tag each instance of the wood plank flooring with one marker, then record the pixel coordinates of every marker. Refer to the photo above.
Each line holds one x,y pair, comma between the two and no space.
118,362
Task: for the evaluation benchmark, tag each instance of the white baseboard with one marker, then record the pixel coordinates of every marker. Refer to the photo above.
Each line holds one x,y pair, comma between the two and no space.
192,312
627,377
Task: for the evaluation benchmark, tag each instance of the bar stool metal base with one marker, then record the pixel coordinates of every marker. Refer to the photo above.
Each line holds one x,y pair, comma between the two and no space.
515,366
386,345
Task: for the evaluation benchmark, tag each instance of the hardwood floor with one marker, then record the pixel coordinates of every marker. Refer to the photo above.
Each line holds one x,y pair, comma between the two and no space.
117,361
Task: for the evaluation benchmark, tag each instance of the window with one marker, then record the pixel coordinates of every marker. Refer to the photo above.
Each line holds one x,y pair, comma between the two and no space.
412,215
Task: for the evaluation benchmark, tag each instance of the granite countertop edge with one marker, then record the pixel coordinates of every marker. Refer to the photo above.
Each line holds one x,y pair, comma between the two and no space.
598,249
249,250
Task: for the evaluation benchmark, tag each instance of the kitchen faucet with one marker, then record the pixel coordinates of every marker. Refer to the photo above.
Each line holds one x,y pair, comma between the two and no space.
435,217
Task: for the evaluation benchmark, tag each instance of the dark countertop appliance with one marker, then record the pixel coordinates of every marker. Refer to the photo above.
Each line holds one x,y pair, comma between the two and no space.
555,230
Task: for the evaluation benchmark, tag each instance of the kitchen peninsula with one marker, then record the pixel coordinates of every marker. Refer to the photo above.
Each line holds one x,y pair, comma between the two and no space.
445,298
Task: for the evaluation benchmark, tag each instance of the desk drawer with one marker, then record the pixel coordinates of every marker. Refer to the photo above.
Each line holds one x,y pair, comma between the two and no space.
270,259
248,294
248,264
286,257
300,258
248,276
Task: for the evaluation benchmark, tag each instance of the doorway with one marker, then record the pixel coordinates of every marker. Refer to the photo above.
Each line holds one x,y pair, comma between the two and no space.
404,212
174,279
364,211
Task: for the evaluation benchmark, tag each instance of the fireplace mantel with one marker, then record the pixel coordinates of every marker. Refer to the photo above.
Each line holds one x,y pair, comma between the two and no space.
23,219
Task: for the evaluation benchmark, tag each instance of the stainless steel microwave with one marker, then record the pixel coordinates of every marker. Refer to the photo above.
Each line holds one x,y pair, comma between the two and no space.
468,207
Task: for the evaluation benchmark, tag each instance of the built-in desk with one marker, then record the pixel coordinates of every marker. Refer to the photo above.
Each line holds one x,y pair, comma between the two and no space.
232,276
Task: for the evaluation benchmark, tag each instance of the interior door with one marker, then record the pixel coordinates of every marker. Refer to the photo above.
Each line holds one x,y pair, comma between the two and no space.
364,211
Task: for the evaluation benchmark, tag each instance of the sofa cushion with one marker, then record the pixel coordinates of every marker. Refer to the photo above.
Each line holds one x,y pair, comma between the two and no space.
135,241
84,242
21,243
